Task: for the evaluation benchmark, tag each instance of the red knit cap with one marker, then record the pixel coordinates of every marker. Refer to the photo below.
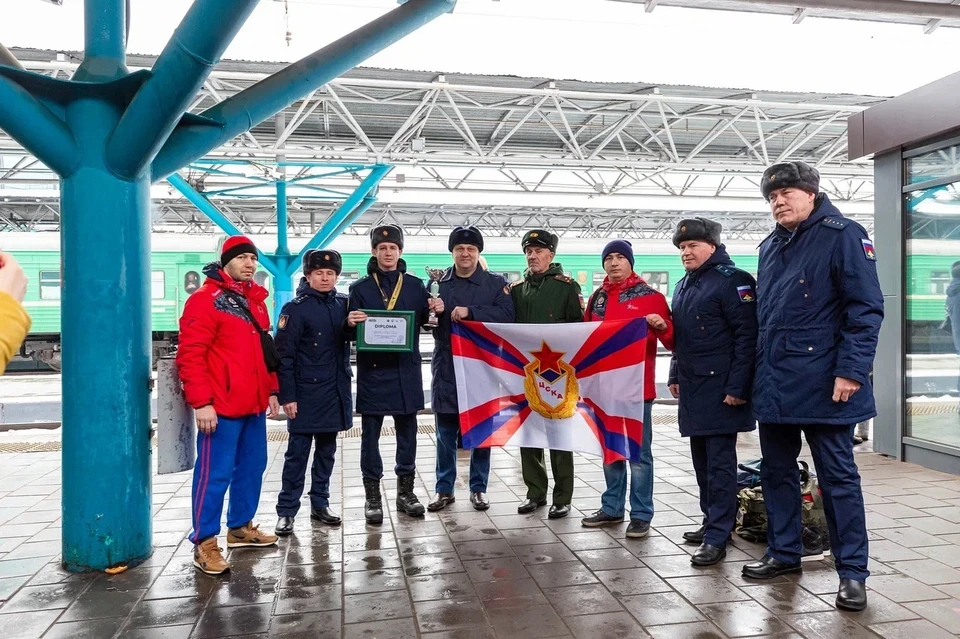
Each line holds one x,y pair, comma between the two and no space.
234,246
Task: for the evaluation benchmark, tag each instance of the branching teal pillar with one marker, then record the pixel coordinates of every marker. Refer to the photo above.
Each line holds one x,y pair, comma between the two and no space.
109,133
282,265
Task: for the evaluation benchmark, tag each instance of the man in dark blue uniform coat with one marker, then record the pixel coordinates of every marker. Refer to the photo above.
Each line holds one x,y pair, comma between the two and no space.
819,307
390,383
467,292
314,380
711,373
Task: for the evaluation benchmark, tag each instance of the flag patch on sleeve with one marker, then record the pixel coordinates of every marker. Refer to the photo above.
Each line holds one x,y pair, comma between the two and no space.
868,250
746,294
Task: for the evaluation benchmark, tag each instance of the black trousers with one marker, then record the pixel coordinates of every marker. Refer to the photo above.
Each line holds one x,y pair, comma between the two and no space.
295,469
371,464
715,464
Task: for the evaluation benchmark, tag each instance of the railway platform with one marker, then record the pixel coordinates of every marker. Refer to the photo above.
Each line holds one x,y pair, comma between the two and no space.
477,575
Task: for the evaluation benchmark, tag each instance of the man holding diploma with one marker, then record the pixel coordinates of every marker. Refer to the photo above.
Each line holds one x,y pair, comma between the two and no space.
389,383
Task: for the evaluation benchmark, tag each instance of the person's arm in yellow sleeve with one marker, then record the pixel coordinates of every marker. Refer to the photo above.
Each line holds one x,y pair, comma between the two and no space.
14,321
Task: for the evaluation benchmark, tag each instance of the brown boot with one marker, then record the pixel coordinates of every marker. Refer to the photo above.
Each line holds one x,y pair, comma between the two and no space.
207,557
249,535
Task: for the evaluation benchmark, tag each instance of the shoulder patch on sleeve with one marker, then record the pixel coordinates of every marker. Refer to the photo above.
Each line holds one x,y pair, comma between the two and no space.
725,269
746,294
837,224
868,249
282,322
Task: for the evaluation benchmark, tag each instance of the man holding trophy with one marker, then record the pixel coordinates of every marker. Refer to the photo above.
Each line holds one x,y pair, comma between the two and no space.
467,293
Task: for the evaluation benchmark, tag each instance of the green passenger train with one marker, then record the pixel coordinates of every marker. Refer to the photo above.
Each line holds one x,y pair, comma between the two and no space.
178,260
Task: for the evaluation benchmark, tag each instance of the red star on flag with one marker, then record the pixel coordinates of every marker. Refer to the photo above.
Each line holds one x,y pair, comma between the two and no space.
549,360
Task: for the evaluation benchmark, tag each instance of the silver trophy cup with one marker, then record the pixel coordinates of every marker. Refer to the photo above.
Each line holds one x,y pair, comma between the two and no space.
434,289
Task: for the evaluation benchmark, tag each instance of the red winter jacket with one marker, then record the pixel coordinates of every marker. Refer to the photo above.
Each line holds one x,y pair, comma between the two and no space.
220,357
630,299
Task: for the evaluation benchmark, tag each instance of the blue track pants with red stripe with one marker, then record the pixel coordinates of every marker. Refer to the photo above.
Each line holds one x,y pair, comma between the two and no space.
234,456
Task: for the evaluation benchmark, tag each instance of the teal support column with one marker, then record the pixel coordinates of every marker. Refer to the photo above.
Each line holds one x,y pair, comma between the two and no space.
107,133
106,342
282,282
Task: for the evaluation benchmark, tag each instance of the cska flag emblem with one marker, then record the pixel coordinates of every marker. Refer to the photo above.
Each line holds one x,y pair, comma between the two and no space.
868,250
550,384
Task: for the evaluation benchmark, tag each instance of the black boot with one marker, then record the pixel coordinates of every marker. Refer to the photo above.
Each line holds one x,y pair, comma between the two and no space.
852,595
407,501
373,508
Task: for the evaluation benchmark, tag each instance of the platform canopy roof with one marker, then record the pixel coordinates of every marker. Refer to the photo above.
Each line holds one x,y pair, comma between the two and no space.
930,14
503,152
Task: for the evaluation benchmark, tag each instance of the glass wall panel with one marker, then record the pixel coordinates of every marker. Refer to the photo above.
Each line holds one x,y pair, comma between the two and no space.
935,165
932,282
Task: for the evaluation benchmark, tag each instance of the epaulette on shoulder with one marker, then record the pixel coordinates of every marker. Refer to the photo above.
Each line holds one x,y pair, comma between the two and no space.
299,299
563,278
725,269
362,279
517,283
837,224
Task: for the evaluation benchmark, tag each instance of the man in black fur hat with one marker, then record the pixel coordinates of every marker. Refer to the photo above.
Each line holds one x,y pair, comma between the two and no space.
819,308
711,374
390,383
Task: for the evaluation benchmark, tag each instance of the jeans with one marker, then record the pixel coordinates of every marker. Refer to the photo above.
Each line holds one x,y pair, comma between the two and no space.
614,497
448,428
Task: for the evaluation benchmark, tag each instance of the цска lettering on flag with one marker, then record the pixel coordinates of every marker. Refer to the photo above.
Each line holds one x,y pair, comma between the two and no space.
576,387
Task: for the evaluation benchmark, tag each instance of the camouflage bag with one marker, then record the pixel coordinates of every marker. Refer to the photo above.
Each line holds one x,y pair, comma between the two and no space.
751,515
814,516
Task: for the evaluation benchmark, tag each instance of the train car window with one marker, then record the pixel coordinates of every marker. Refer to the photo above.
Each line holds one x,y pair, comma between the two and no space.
659,280
939,280
598,277
49,285
157,285
345,280
191,282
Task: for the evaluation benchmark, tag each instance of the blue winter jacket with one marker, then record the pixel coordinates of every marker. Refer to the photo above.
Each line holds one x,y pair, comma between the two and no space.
715,346
315,361
390,383
487,296
820,307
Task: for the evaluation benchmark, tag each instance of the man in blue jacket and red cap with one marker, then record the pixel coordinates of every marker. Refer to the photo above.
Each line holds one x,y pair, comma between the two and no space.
819,308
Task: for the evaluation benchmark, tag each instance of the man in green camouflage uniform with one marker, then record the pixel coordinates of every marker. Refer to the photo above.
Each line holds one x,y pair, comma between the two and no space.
546,296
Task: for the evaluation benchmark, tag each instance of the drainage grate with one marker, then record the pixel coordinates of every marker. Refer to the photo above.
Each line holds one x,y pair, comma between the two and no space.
29,447
932,408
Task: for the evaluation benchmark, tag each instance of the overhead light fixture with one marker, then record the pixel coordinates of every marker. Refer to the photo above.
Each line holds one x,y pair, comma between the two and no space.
417,144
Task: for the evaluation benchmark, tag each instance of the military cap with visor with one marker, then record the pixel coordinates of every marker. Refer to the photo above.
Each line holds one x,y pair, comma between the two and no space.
540,237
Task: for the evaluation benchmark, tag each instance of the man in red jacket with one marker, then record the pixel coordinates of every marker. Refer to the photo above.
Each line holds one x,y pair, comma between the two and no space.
225,379
624,295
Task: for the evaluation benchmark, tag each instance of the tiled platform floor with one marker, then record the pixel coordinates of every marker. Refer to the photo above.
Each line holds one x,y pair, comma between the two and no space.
474,575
